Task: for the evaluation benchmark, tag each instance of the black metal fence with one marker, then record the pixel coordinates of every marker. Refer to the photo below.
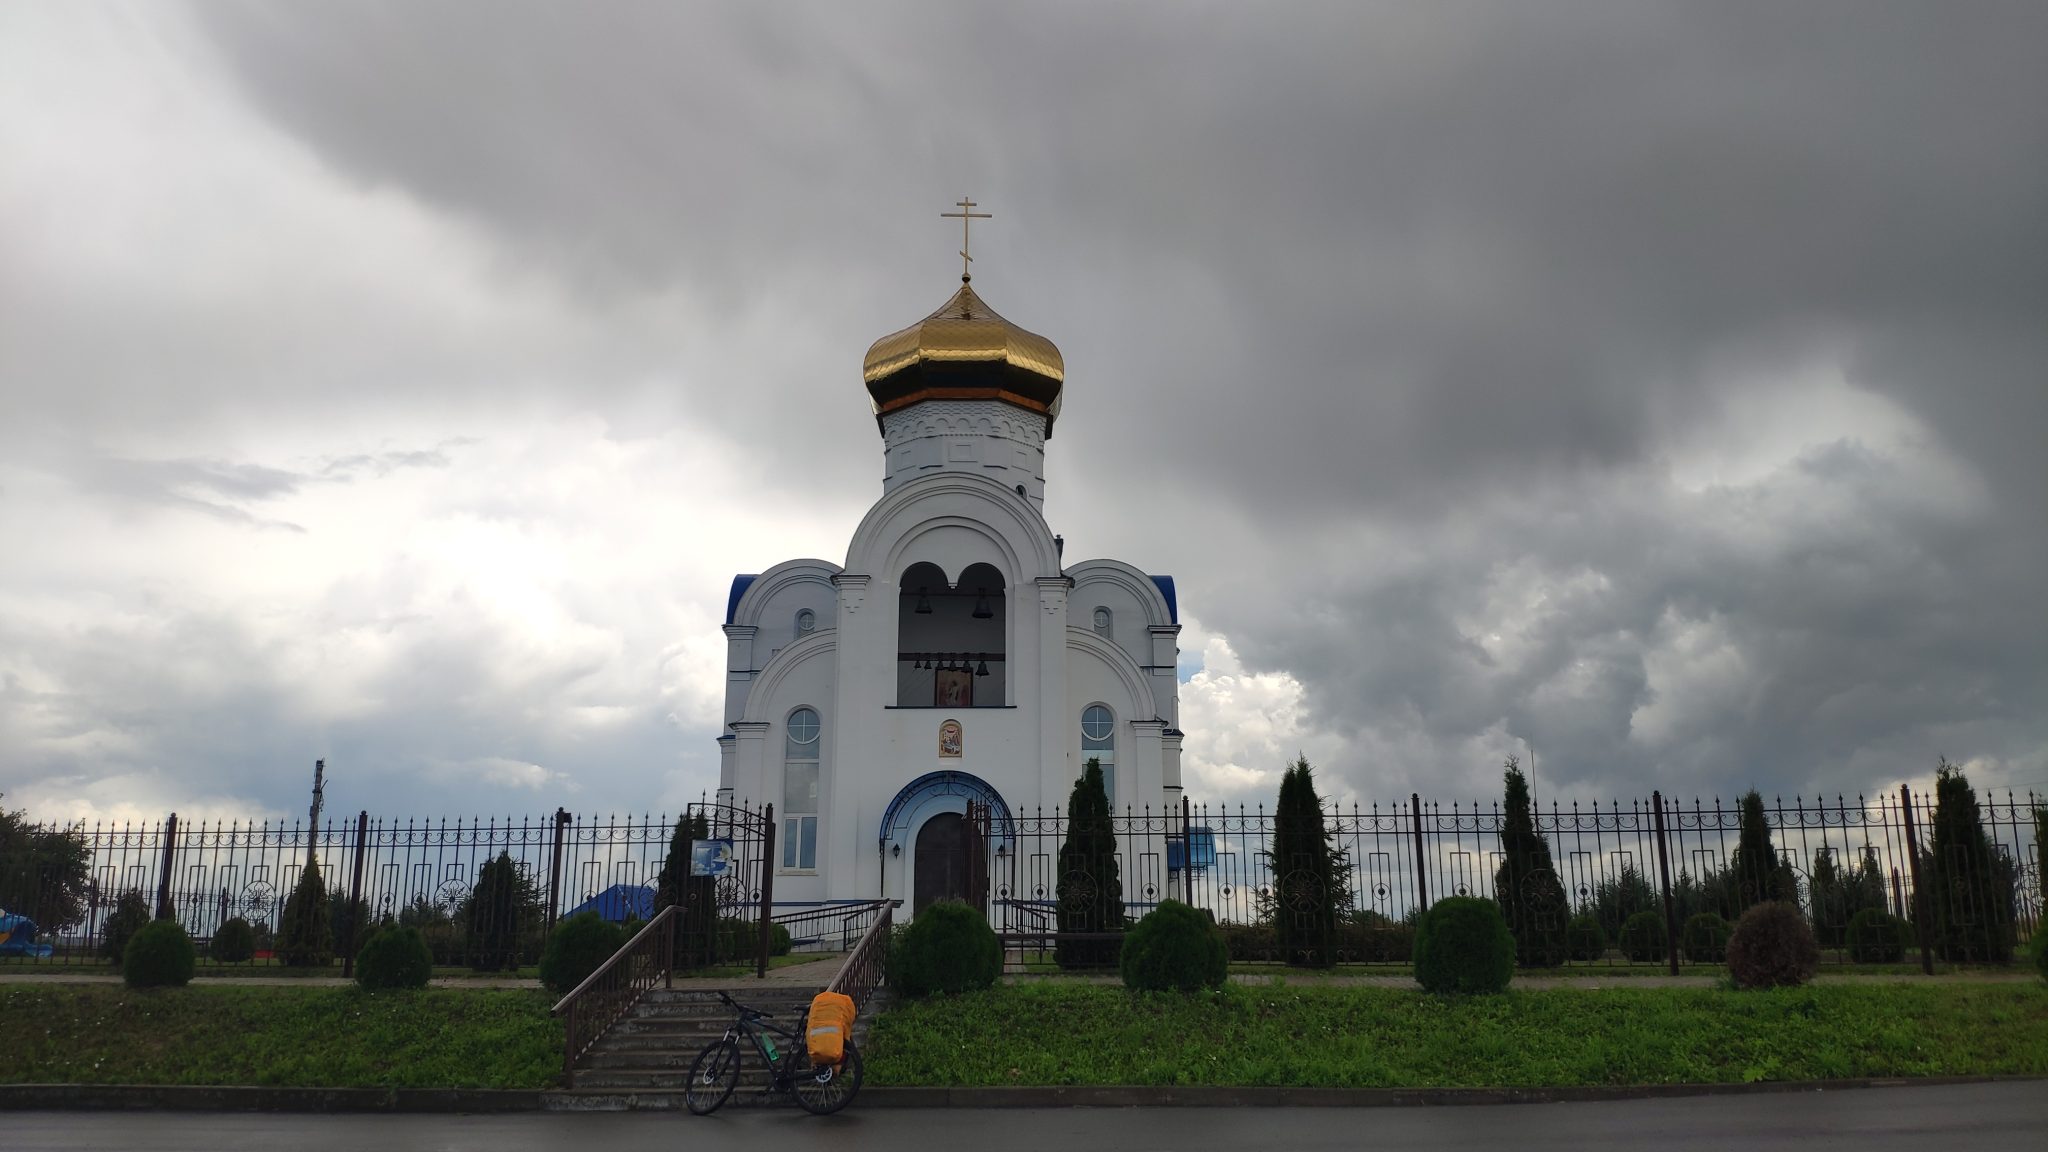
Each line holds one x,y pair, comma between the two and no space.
1611,860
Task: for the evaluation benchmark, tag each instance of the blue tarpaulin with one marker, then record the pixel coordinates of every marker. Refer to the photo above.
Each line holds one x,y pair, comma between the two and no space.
18,937
619,903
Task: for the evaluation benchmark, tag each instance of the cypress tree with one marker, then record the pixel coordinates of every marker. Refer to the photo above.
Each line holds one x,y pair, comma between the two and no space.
697,919
1307,885
502,904
1090,888
1526,883
1759,873
306,930
1973,914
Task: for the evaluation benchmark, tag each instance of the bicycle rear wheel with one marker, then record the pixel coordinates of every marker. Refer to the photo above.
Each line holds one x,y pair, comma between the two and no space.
826,1088
713,1076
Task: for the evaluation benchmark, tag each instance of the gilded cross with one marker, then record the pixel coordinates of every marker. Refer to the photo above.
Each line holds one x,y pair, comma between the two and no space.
966,215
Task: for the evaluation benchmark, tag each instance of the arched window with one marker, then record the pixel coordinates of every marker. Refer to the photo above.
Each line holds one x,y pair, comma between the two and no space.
1102,622
1098,743
806,622
802,738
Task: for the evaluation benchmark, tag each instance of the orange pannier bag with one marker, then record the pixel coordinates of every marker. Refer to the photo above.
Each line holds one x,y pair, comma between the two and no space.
831,1026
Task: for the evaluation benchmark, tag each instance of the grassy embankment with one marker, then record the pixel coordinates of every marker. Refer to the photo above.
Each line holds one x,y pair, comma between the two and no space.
1060,1033
307,1037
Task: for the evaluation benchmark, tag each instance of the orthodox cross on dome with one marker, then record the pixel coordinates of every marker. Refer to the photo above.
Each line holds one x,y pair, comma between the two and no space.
966,215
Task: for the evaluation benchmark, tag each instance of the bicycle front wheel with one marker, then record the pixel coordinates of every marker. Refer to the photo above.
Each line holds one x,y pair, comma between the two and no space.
826,1088
713,1076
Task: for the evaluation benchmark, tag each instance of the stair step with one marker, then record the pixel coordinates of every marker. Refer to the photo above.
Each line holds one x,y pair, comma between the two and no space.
650,1100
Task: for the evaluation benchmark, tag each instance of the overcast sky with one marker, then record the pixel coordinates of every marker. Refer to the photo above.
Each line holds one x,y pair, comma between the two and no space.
1664,387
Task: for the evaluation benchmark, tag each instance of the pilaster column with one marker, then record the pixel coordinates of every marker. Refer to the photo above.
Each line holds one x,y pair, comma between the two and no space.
752,785
1056,767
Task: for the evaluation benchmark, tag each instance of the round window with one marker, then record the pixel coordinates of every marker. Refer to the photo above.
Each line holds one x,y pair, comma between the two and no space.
1097,723
806,621
803,726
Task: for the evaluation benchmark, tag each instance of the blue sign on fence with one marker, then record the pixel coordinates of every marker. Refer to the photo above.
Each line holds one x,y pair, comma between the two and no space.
710,857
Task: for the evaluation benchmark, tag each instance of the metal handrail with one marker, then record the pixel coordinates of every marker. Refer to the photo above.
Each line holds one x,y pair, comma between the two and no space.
868,963
615,987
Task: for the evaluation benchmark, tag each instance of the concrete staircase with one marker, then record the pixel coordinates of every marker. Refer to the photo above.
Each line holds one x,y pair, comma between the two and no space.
642,1061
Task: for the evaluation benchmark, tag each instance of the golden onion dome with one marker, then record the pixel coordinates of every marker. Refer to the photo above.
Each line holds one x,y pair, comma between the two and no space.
964,351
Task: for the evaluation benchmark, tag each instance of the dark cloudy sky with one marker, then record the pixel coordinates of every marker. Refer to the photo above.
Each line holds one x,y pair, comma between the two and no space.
1663,386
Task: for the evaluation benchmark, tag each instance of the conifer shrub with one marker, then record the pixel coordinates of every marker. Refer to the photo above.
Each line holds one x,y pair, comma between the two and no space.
580,944
1760,873
159,955
949,947
1642,938
1462,946
1973,887
234,942
1526,882
1876,936
1705,939
1090,887
1584,937
1308,872
1772,947
305,933
131,912
395,956
1175,948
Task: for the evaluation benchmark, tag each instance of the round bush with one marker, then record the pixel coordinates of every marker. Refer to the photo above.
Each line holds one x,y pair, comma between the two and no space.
395,957
130,913
1584,938
1175,948
948,948
1642,937
233,942
580,944
1705,938
159,955
1877,937
1772,947
1464,945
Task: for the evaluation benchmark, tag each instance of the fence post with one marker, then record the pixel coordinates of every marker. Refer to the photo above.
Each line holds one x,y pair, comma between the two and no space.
163,878
555,870
355,898
1920,916
767,891
1421,870
1664,879
1187,853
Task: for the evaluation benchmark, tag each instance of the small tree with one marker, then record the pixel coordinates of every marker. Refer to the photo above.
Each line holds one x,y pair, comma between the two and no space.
1973,913
1091,887
695,897
1526,884
503,903
1620,896
1760,874
1307,869
131,912
45,873
1835,896
306,930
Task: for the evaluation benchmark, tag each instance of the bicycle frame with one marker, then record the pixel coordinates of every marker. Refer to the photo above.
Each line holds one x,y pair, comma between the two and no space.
782,1067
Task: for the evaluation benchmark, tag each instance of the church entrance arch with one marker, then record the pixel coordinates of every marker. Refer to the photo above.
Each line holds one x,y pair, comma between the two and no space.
944,862
946,823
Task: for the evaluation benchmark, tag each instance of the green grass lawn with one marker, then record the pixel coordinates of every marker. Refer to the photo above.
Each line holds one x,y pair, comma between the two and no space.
1063,1033
307,1037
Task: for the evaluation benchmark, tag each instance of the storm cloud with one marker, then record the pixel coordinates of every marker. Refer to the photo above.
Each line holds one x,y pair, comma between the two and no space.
1657,386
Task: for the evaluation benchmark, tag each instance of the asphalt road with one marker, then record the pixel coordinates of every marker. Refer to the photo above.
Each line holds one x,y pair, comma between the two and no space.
1978,1117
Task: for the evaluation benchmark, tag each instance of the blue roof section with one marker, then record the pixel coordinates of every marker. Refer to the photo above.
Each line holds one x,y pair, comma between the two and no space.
1165,584
619,903
740,584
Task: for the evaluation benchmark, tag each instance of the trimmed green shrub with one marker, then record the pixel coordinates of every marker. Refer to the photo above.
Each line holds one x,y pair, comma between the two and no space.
1705,939
1584,938
130,913
1175,948
1772,947
1642,938
1464,945
579,945
1876,936
395,957
233,942
1308,872
159,955
739,939
1526,882
305,933
949,947
1090,888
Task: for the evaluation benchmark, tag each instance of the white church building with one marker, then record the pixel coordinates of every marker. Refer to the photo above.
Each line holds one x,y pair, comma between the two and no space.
953,656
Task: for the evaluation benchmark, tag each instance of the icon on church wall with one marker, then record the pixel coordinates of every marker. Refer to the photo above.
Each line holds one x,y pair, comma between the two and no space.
710,857
949,740
953,688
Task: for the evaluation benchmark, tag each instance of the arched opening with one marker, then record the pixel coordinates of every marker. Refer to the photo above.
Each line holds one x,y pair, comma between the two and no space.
951,638
944,866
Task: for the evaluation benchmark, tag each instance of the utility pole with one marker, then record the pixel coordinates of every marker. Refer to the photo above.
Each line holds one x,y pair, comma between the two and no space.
313,817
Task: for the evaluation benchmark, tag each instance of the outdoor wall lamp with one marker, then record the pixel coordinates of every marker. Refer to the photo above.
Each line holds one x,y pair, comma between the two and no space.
895,849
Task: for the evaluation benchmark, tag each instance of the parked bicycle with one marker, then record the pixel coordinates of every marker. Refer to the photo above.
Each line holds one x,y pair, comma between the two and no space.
821,1089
